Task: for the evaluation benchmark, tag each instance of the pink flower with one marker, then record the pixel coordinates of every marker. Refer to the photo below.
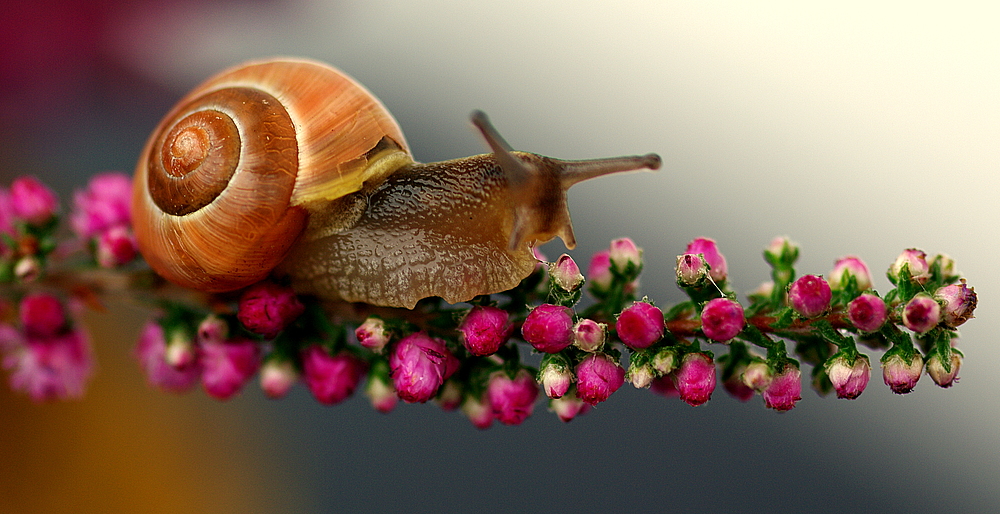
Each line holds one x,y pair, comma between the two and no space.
691,270
712,256
664,386
810,295
722,319
589,335
695,379
267,308
785,389
640,375
867,312
921,313
899,373
6,214
599,271
597,377
51,368
419,364
735,386
566,274
32,201
512,400
555,377
372,334
228,366
846,267
848,378
151,351
485,329
624,252
106,203
640,325
941,376
549,328
277,376
757,375
381,394
959,302
781,252
331,378
568,407
479,411
915,261
116,246
42,315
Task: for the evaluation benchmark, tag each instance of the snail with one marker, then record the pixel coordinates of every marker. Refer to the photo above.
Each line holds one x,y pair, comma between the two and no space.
291,168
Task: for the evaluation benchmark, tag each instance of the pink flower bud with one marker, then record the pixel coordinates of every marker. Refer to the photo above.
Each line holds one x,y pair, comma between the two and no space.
916,261
722,319
959,302
32,201
713,257
640,376
555,377
947,266
640,325
597,377
479,411
568,407
331,378
419,364
624,251
372,334
549,328
485,329
665,361
512,400
848,378
213,328
28,268
150,351
599,271
810,295
757,375
921,313
781,251
664,386
867,312
267,308
733,384
900,374
227,366
116,246
695,378
51,368
42,315
691,270
277,376
104,204
785,389
566,274
181,350
589,335
381,394
847,267
941,376
450,395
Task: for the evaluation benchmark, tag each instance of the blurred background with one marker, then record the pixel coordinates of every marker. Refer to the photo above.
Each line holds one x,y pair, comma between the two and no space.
852,127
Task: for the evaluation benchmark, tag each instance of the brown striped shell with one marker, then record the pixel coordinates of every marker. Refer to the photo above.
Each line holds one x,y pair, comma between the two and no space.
228,181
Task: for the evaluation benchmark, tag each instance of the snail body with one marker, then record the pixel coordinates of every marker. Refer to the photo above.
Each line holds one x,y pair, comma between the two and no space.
292,168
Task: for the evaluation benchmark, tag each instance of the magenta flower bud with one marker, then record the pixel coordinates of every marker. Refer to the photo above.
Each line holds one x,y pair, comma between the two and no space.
916,261
691,270
372,334
785,389
899,374
48,368
116,246
381,394
597,377
624,251
941,376
640,376
664,386
589,335
695,378
959,302
42,315
640,325
847,267
277,376
566,274
599,271
485,329
781,251
267,308
228,366
555,377
32,201
734,385
722,319
867,312
568,407
549,328
921,313
512,400
419,364
849,377
479,411
331,378
710,251
757,375
213,328
104,204
810,295
151,350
